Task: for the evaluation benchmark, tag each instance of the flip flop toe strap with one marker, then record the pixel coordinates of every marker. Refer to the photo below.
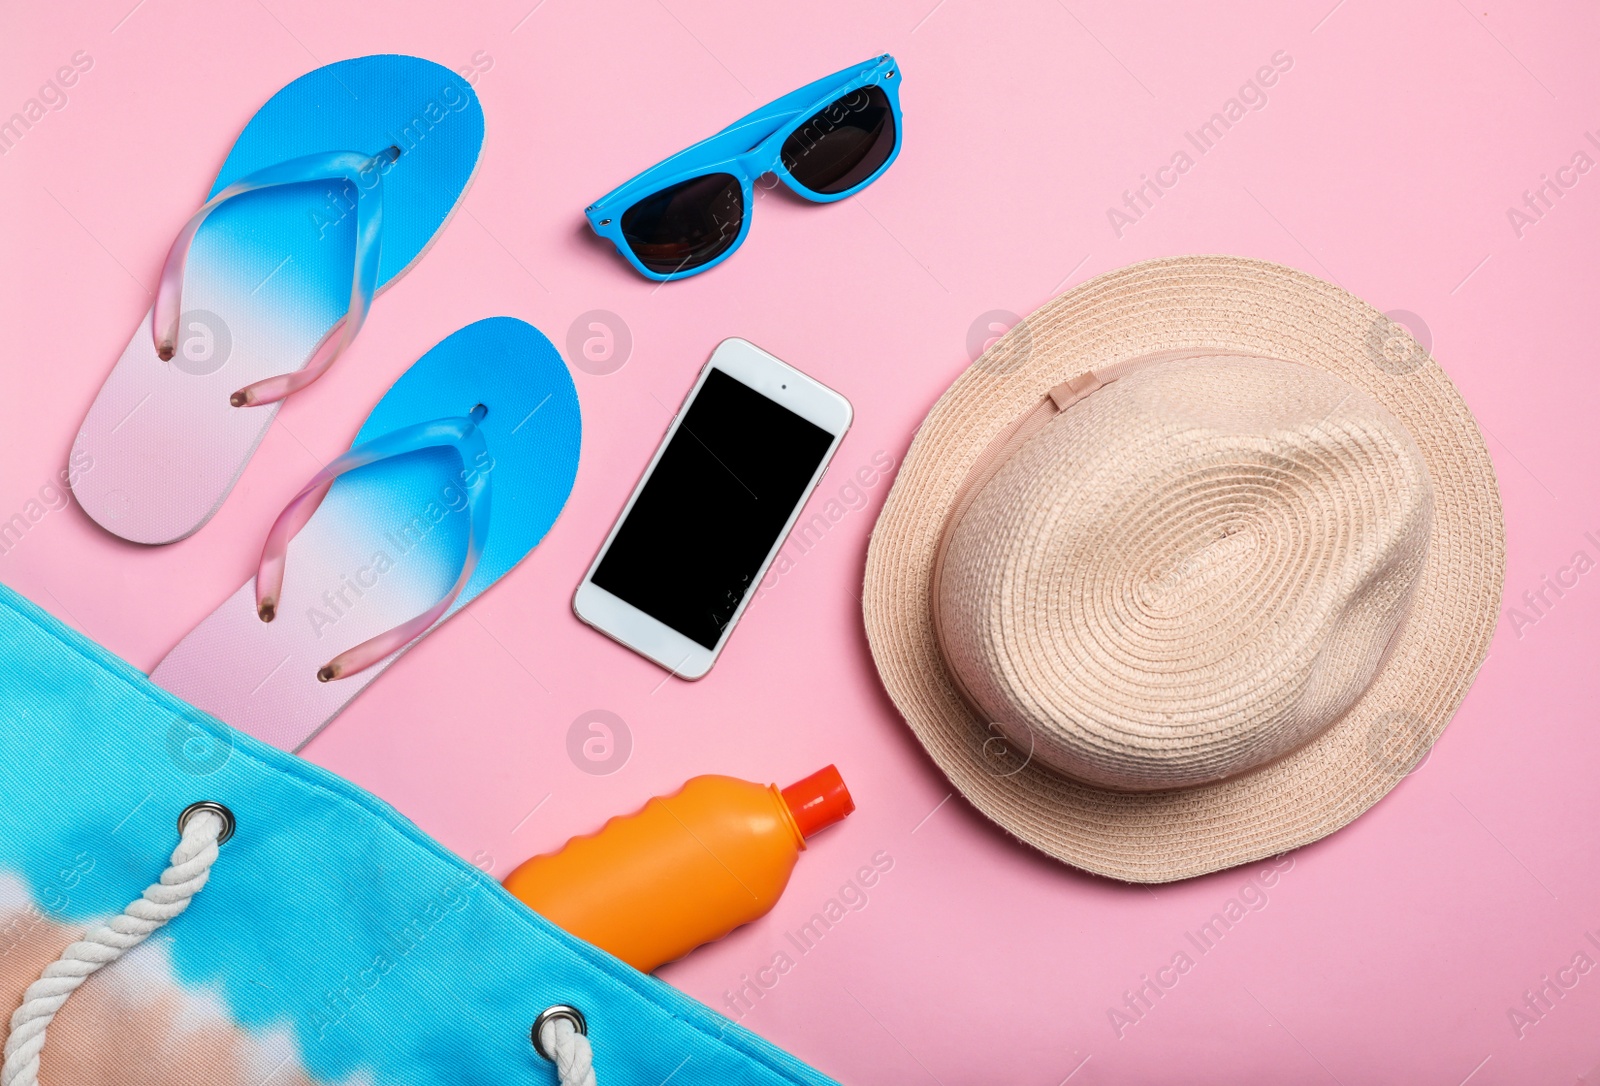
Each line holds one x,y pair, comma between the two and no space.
365,173
462,435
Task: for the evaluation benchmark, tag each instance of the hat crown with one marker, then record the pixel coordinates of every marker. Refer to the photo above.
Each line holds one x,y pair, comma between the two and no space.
1188,573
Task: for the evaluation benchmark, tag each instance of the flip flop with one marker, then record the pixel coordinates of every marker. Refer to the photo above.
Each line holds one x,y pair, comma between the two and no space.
456,475
334,189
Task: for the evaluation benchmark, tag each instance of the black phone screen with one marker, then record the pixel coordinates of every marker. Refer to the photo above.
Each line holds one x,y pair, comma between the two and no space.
712,509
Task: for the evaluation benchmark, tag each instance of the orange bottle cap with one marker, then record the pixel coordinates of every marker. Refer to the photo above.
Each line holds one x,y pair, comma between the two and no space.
818,801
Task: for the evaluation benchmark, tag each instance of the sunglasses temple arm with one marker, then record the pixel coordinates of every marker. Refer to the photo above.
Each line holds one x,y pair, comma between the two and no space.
774,113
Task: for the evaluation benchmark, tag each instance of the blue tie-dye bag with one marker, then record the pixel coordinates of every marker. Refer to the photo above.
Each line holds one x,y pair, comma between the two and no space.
332,941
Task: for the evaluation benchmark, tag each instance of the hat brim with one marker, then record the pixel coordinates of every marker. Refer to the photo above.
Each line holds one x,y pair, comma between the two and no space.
1224,304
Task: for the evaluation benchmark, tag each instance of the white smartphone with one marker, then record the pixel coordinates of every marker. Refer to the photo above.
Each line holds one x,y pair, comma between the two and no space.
742,455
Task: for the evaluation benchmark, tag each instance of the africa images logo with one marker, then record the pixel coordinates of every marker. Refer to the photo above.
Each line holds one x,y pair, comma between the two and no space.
52,96
1251,98
1537,200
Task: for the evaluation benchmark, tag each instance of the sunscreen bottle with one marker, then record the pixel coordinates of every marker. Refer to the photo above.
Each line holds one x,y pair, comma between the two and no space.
684,869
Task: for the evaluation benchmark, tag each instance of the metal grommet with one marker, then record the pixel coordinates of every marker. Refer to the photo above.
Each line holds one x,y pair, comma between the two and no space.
560,1010
228,823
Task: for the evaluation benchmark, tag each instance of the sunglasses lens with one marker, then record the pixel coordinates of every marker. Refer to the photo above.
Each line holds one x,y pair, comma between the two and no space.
687,225
842,144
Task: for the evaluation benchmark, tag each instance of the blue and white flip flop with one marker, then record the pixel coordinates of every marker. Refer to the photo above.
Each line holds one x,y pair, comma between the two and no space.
334,189
457,474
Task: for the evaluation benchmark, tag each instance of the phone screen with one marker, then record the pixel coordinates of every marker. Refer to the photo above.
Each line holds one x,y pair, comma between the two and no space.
712,509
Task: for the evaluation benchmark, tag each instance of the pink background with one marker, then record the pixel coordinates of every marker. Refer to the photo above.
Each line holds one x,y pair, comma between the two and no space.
1385,159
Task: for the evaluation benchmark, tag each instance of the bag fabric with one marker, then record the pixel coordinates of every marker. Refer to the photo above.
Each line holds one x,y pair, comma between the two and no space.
334,943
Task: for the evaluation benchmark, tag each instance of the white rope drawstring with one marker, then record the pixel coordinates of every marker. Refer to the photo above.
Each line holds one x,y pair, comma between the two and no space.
569,1050
205,826
180,882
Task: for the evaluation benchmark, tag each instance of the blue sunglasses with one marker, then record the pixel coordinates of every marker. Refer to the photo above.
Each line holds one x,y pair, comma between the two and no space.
827,140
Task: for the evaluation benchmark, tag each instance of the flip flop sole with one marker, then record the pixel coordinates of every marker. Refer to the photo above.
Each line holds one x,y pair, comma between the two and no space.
268,276
389,539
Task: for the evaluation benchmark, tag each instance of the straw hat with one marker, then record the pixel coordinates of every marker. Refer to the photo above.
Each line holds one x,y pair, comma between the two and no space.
1189,569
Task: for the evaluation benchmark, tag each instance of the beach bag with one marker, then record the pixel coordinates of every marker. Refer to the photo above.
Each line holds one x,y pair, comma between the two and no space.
292,930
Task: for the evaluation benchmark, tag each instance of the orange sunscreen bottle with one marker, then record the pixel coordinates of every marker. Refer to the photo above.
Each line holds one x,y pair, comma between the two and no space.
683,870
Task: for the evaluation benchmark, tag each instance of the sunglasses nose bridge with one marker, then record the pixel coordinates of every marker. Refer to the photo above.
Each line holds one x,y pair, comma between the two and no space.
757,163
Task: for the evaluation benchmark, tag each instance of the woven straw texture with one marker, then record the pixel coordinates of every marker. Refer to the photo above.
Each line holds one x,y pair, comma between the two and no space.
1174,587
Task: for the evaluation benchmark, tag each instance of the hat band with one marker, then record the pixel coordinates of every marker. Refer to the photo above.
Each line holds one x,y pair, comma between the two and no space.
989,462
